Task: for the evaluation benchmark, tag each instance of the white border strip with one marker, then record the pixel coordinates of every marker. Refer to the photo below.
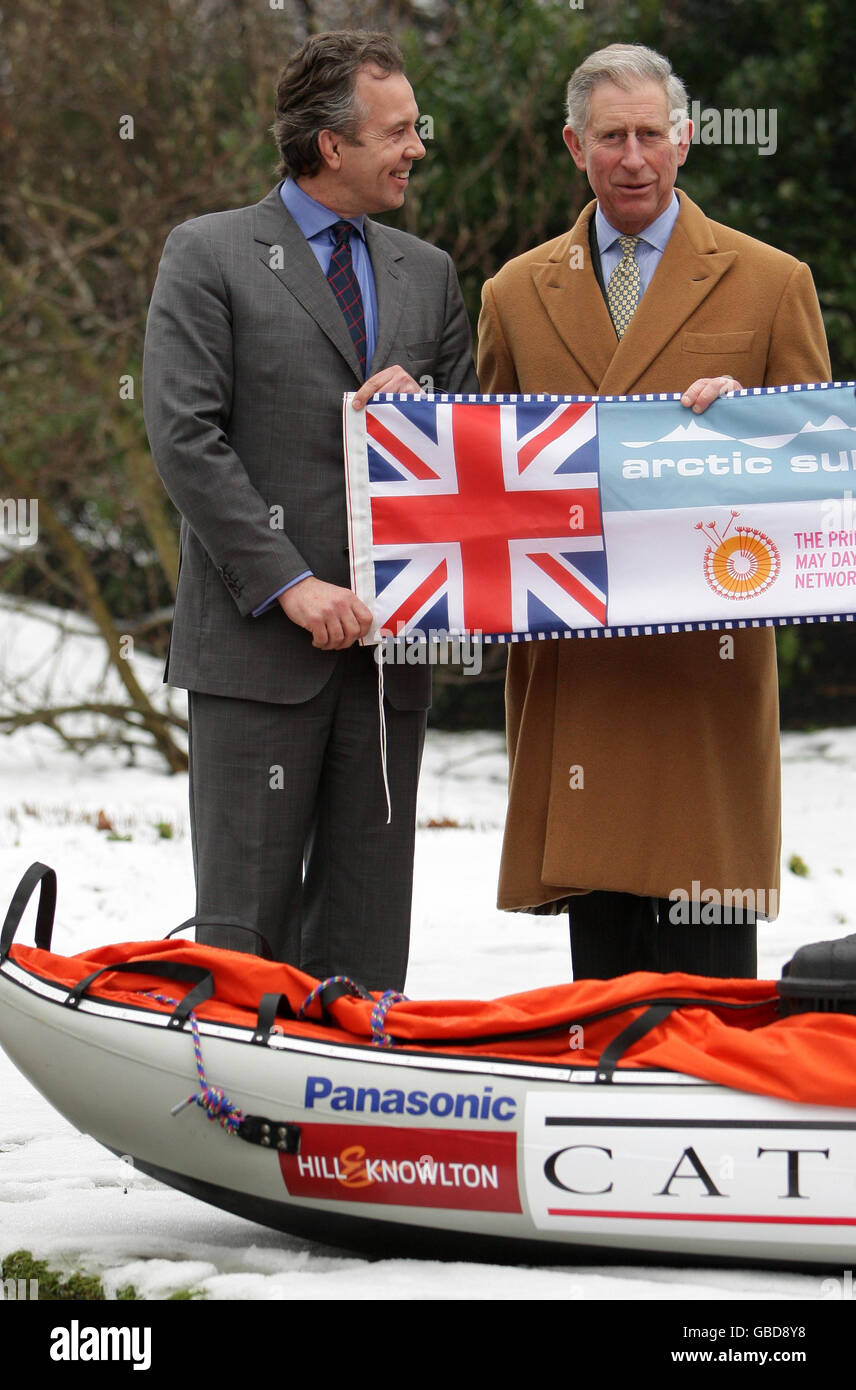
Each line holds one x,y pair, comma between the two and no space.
358,501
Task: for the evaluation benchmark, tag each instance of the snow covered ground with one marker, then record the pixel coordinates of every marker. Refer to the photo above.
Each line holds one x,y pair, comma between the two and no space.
71,1202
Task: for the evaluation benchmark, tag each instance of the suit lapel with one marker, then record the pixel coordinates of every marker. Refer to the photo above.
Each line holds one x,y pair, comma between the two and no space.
570,294
301,274
689,269
391,287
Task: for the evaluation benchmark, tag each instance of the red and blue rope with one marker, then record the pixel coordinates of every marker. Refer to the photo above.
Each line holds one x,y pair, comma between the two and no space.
212,1099
380,1037
380,1008
321,986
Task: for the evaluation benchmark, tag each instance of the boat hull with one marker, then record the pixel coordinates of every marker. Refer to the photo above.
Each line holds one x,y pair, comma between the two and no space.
464,1156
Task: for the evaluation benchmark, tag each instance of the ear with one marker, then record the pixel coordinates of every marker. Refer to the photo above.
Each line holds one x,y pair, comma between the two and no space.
683,147
578,154
330,148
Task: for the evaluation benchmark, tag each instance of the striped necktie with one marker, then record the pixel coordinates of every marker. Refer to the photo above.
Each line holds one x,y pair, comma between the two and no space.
622,292
346,287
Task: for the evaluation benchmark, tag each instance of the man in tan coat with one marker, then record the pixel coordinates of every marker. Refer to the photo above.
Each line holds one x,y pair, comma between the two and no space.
644,772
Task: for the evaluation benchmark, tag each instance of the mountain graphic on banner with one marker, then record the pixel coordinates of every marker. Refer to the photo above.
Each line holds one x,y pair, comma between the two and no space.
688,433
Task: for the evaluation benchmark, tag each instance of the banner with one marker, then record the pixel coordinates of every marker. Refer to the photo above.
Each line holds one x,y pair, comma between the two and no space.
535,516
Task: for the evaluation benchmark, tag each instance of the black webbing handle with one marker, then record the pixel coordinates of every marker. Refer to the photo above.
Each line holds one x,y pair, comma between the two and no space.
169,970
338,989
201,920
271,1006
615,1050
37,873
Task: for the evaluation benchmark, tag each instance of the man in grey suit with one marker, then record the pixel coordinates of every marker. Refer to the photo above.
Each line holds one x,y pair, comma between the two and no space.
260,320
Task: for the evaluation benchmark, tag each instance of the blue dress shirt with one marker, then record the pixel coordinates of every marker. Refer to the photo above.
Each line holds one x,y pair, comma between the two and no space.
315,221
649,248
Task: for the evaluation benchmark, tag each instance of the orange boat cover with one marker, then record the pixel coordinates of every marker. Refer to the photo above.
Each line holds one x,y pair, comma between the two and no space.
740,1038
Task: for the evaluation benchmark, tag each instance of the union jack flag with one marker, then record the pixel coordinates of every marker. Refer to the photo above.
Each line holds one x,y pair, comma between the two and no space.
483,517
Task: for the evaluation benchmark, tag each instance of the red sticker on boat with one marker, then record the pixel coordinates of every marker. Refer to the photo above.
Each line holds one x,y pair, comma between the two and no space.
454,1168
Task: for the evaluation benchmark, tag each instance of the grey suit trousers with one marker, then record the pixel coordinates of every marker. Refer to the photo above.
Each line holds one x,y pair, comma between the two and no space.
289,815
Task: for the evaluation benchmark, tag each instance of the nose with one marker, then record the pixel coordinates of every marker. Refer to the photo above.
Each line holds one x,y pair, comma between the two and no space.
631,155
415,148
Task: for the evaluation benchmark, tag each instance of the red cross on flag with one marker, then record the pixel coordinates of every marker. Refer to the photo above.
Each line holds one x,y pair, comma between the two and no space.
475,518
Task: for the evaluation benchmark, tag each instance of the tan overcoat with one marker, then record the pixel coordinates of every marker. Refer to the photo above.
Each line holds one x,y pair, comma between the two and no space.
646,764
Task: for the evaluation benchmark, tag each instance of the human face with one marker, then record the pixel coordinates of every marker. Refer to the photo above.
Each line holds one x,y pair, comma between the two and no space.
370,174
631,153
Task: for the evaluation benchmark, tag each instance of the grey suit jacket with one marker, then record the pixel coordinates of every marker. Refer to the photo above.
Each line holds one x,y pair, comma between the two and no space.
247,356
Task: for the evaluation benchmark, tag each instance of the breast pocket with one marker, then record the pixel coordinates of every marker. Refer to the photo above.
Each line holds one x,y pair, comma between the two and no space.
422,353
709,344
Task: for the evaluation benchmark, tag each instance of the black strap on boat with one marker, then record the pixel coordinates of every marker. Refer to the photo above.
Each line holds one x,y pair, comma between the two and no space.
202,920
333,990
615,1050
169,970
271,1007
326,992
37,873
337,989
271,1134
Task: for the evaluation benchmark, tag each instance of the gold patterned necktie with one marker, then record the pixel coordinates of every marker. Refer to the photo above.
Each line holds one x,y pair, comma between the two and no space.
622,292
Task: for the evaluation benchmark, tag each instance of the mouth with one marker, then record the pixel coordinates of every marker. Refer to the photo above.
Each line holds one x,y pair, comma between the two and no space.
401,177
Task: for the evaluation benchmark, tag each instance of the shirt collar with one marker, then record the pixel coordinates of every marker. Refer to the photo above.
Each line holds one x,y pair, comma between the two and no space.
311,216
656,234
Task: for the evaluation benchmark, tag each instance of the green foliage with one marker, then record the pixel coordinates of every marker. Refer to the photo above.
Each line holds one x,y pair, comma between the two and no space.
816,680
462,700
53,1286
793,658
497,178
84,214
798,866
797,61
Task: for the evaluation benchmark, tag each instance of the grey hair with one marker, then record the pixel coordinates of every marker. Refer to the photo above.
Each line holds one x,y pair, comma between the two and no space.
625,64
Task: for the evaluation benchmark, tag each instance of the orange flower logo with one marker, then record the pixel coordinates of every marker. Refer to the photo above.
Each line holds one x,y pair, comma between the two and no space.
741,565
